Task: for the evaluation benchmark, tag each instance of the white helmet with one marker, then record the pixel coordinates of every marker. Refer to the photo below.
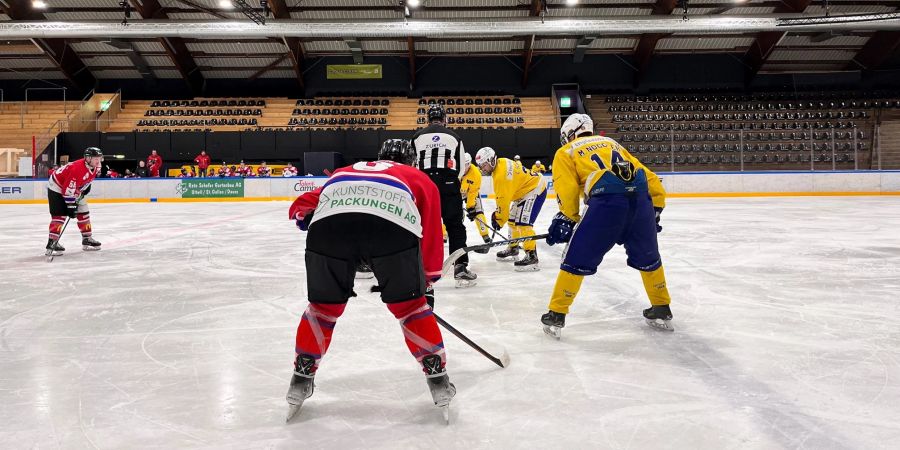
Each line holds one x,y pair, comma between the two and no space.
467,158
516,157
573,126
486,160
538,162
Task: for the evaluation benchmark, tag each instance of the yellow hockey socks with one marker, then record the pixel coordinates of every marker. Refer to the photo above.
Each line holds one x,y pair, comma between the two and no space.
526,231
655,285
564,292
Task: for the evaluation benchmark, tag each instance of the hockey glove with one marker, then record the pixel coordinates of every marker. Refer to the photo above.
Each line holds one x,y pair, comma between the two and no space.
71,209
429,295
494,222
658,213
560,229
303,222
471,213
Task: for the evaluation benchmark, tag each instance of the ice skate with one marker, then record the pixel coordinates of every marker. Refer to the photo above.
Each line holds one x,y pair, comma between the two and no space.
485,250
529,263
364,272
302,384
54,248
509,254
89,244
442,390
464,278
553,323
659,317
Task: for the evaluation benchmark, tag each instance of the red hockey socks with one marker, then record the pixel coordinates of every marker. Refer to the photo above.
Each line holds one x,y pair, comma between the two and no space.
84,224
423,337
56,224
315,329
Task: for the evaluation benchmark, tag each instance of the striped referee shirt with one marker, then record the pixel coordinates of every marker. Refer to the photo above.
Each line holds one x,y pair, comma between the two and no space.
437,147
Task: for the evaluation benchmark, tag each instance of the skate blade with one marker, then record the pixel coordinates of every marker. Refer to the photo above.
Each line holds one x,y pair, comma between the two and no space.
660,324
445,412
89,248
460,284
555,332
507,259
292,411
531,268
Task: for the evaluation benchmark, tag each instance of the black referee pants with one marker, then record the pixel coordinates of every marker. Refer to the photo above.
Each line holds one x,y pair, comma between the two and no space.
451,209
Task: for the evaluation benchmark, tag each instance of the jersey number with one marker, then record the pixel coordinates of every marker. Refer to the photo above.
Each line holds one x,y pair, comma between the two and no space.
372,166
614,156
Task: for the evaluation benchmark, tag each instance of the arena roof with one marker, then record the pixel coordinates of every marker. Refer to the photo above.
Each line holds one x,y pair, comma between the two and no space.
187,55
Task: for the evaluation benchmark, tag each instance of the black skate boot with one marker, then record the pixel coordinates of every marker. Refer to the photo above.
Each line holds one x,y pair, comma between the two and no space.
463,277
54,248
442,390
509,254
487,240
364,272
529,263
553,323
659,317
90,244
302,385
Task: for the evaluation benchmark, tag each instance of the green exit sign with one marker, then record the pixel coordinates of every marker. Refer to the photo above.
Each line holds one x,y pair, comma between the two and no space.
565,102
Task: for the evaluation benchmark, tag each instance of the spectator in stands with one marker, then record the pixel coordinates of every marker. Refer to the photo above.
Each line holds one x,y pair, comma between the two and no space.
289,171
141,171
263,170
538,168
129,174
111,173
185,173
154,163
202,161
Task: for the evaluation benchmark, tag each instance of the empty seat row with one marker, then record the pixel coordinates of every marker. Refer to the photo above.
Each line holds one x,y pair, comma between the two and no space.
734,148
471,101
678,117
194,122
478,120
337,121
772,107
478,110
747,136
202,112
343,102
340,111
206,103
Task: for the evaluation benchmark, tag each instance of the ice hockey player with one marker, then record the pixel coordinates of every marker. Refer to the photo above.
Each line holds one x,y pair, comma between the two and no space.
471,192
537,168
518,160
289,171
439,154
624,201
263,170
66,191
520,196
388,215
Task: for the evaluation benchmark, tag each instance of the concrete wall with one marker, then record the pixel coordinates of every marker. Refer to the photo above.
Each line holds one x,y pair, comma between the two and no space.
676,184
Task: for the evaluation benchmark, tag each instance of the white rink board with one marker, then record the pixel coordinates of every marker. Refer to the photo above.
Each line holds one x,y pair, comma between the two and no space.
180,334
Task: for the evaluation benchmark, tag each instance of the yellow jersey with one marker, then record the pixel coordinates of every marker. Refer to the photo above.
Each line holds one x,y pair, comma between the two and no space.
538,169
470,186
513,183
583,167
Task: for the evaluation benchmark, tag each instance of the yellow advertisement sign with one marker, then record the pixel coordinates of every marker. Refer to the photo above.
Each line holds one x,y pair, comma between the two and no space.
354,71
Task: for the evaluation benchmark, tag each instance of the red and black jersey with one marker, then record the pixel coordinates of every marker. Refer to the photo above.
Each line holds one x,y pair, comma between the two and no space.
72,179
263,171
393,191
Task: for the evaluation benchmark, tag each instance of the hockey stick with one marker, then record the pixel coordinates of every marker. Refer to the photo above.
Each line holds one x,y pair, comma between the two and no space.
49,253
502,361
494,231
447,268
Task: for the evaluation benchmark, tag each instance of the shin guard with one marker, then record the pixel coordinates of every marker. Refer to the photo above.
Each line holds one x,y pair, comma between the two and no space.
315,329
56,224
564,291
655,285
84,224
420,329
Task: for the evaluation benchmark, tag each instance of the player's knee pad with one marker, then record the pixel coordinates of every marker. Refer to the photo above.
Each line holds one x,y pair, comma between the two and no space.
328,279
82,207
328,310
401,275
402,310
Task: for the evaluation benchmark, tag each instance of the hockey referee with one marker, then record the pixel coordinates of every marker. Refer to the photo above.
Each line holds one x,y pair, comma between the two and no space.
439,153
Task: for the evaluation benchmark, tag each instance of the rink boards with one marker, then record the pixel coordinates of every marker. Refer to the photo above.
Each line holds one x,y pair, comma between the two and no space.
686,184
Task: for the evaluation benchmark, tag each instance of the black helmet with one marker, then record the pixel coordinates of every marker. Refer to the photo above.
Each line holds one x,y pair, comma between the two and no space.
398,150
436,112
92,151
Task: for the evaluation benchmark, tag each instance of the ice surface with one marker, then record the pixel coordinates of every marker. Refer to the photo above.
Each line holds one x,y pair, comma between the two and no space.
179,334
